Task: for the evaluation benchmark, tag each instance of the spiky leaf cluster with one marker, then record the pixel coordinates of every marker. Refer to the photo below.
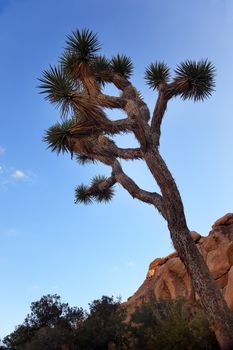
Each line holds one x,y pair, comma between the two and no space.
123,65
58,87
70,64
100,66
81,51
82,195
105,195
196,79
67,94
157,73
84,44
83,159
85,195
57,136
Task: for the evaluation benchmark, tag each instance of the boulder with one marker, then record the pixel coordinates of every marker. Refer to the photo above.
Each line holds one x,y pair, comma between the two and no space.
167,277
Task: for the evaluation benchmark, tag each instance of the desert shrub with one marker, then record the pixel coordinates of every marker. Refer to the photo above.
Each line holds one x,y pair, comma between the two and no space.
170,325
104,328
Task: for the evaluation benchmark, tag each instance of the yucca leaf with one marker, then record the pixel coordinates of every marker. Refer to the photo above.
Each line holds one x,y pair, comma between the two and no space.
83,159
84,44
76,69
123,65
70,64
58,87
88,109
81,195
84,194
195,80
98,179
157,73
100,66
104,195
57,136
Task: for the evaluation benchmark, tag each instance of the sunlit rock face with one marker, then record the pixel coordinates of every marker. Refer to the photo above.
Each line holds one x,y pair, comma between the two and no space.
167,277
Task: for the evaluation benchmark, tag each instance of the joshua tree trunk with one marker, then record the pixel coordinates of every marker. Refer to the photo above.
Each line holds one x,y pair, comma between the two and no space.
76,85
218,313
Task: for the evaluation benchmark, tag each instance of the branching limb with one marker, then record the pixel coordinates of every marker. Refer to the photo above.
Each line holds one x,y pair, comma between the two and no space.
166,92
102,146
109,149
121,125
103,154
128,153
137,111
135,191
129,92
158,114
88,128
110,101
135,108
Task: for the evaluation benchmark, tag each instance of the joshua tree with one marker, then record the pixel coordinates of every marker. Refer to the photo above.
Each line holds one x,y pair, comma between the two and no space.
76,86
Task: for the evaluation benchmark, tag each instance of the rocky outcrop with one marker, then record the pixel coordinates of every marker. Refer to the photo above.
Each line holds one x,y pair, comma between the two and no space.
167,277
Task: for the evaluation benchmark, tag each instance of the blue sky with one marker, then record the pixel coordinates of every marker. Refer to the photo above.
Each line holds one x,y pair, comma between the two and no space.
49,244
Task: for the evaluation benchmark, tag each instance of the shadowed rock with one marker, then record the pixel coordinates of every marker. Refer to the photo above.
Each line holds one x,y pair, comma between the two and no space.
167,277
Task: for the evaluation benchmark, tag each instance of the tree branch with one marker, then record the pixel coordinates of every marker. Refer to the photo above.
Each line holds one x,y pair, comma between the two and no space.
135,108
119,126
94,147
111,101
107,154
132,188
176,87
88,128
158,115
135,191
130,101
166,92
128,153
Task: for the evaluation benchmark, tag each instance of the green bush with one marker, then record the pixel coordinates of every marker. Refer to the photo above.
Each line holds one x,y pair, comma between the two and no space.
164,325
170,325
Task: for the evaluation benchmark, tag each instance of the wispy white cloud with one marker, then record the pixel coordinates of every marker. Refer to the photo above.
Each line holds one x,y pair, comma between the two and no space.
11,176
131,263
19,175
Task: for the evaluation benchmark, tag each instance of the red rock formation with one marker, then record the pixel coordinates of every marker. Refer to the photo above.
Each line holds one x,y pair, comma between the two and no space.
167,277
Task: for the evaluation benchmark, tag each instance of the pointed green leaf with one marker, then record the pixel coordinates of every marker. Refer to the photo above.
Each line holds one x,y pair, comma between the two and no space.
157,73
57,136
196,79
83,43
58,87
123,65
